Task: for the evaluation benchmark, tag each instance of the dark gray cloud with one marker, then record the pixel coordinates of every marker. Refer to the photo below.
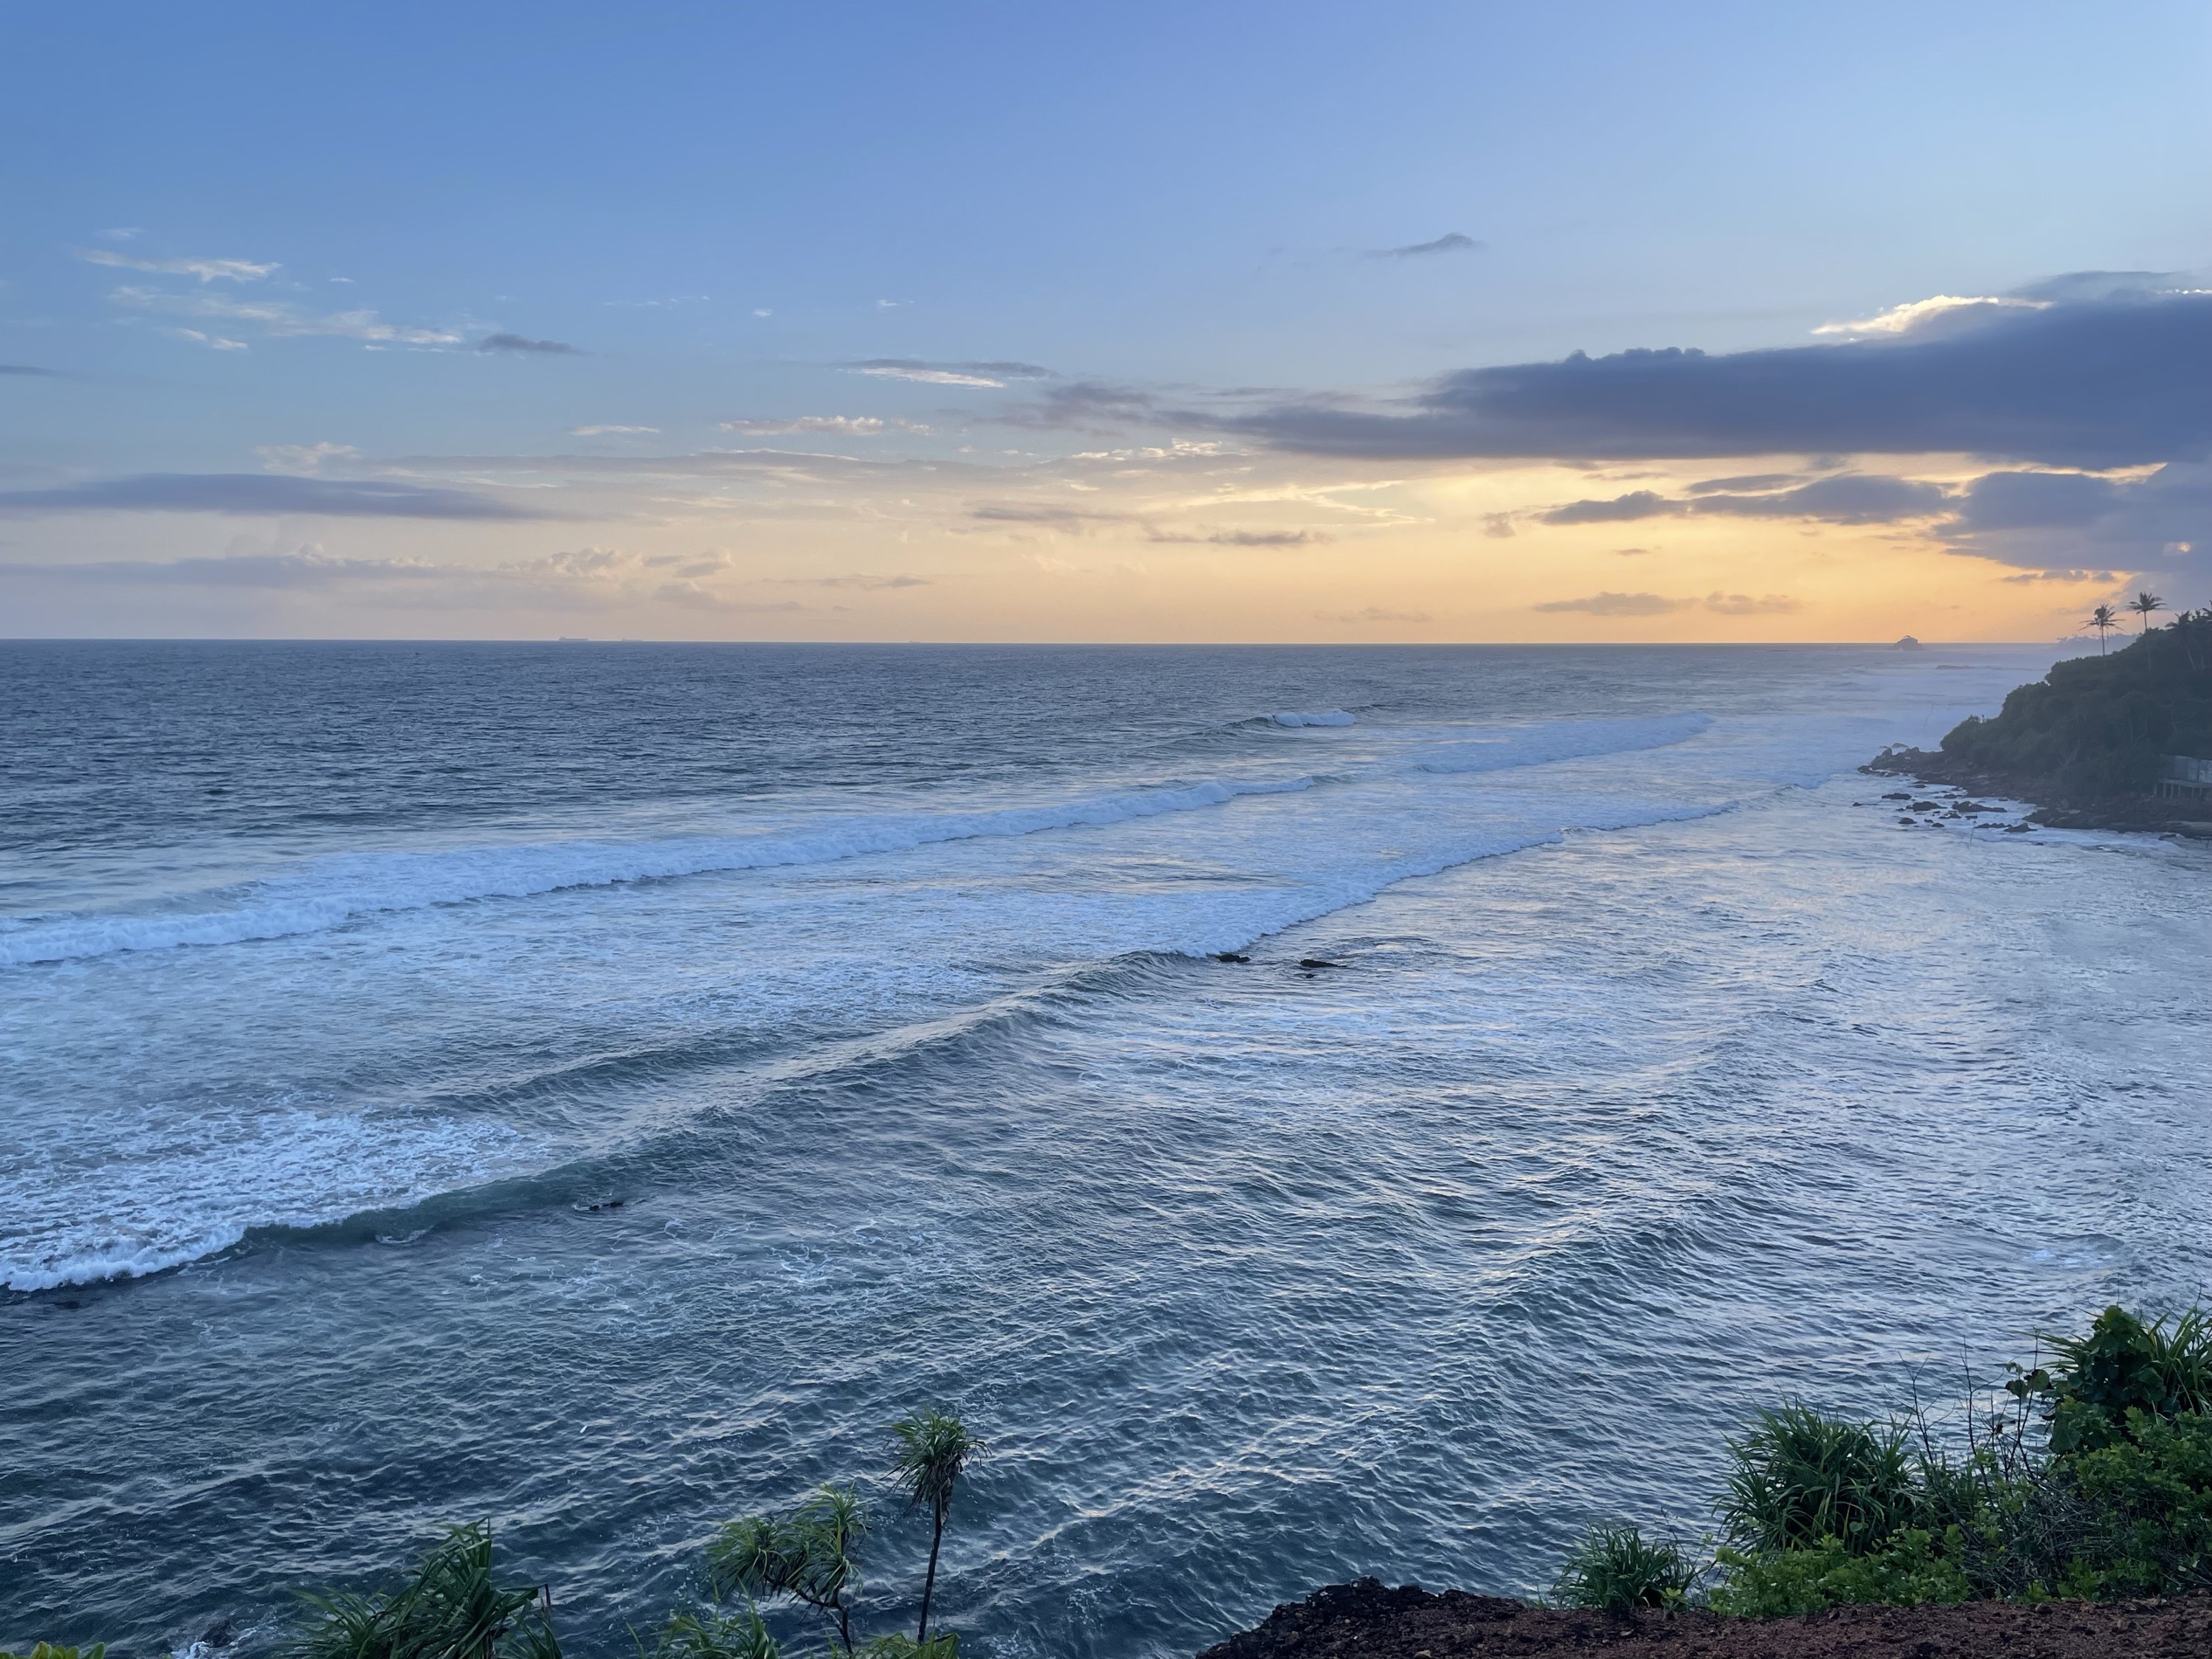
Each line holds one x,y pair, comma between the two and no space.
24,369
1046,513
1853,498
1745,604
2101,285
307,568
261,492
1450,242
1617,605
523,343
1637,503
2070,521
1748,481
1655,605
1244,538
2120,380
866,583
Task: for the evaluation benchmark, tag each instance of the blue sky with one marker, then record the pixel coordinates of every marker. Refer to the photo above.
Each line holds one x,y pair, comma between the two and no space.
407,248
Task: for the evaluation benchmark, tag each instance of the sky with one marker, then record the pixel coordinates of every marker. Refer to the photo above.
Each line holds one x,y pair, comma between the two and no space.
1184,322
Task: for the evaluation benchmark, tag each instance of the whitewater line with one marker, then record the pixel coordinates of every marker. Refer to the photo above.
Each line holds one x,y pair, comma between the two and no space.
346,886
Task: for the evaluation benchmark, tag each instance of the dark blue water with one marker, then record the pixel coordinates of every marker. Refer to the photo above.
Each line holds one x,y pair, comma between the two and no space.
338,983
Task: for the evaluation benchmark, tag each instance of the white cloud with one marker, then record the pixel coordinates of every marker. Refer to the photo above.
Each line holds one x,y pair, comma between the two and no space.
303,459
598,432
278,319
1917,314
929,376
840,425
212,341
205,270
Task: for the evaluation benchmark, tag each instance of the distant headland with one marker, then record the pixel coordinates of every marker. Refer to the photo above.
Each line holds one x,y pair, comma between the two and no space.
2121,740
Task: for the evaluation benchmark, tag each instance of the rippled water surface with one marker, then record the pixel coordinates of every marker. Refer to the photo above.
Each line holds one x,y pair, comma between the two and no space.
1660,1071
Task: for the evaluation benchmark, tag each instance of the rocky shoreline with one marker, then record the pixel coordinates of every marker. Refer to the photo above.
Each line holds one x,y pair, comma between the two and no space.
1373,1622
2145,814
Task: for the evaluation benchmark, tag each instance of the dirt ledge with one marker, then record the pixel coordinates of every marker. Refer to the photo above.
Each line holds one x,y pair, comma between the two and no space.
1373,1621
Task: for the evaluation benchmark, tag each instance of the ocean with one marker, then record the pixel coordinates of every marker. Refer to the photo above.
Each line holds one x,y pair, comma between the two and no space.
594,1088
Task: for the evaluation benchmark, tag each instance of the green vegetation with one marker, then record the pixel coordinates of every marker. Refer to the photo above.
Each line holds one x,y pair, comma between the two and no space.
810,1554
2089,1477
2098,727
452,1608
1799,1477
933,1451
1616,1569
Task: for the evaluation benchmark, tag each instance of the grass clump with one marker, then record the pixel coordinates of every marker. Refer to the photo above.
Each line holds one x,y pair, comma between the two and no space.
1801,1477
1616,1569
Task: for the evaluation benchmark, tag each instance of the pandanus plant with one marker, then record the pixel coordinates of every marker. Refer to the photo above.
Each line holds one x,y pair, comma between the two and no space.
932,1450
811,1554
452,1608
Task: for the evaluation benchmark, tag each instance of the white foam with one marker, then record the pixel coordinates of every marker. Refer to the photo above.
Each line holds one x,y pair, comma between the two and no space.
1328,717
156,1192
1560,740
102,1197
331,892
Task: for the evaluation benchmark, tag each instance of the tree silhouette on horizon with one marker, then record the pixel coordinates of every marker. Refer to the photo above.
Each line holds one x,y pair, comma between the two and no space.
2104,619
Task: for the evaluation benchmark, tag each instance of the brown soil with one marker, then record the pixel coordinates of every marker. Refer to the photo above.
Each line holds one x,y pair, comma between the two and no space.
1371,1621
2149,813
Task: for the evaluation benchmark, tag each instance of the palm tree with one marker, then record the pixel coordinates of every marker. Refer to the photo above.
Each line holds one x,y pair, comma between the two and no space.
2143,603
2104,619
933,1448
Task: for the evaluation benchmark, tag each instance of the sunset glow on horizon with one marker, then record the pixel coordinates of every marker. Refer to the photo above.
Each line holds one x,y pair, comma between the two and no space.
1641,343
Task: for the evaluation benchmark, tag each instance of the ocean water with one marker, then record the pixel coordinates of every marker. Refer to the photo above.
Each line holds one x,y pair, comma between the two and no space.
596,1088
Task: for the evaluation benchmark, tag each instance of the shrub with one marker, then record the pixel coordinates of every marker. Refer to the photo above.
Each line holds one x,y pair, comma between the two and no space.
1615,1569
2150,1495
691,1635
1908,1569
1801,1477
2122,1366
452,1608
